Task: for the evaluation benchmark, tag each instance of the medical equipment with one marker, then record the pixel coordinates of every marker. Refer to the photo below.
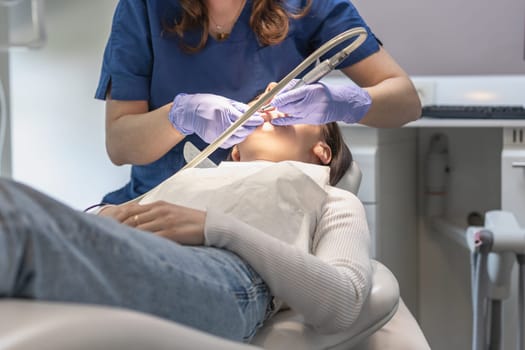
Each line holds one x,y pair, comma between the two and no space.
494,248
436,171
314,75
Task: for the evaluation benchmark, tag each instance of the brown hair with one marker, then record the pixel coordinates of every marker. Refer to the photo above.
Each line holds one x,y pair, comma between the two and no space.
269,21
341,155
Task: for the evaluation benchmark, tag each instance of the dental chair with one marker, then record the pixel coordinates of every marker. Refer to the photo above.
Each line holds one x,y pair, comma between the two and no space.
41,325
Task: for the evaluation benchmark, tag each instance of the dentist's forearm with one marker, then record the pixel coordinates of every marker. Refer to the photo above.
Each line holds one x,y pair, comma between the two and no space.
136,136
394,103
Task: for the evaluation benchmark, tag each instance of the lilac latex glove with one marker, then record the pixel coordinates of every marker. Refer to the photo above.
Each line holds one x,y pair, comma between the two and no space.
209,115
319,103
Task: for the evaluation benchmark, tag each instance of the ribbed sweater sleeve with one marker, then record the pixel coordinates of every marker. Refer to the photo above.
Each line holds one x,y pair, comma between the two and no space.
327,286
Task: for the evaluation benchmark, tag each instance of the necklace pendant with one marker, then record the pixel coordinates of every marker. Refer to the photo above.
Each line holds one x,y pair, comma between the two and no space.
222,36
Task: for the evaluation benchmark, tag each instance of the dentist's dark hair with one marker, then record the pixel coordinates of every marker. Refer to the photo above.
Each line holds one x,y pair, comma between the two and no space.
269,21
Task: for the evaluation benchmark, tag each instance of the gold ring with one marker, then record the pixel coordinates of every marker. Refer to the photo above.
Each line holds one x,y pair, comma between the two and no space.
136,219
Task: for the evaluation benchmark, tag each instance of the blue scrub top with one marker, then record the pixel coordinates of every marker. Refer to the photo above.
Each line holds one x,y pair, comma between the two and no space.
144,62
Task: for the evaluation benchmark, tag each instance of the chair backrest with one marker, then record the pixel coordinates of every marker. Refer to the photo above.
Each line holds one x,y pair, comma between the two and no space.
351,179
287,331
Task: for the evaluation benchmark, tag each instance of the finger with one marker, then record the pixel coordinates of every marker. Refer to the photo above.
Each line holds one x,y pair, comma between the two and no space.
234,139
254,121
136,213
291,84
133,220
155,225
239,106
287,120
293,96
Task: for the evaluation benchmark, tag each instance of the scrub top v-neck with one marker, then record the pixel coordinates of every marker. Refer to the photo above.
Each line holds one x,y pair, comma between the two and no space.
144,61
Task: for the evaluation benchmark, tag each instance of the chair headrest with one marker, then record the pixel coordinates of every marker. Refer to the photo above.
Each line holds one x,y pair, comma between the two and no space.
351,179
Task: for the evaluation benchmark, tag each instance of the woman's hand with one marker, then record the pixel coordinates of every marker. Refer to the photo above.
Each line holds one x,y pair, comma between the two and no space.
319,103
209,115
180,224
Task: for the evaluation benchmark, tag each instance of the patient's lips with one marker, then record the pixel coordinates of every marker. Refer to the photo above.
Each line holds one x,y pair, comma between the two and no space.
268,114
267,126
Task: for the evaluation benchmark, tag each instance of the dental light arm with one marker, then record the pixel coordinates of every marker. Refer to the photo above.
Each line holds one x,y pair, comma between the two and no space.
314,75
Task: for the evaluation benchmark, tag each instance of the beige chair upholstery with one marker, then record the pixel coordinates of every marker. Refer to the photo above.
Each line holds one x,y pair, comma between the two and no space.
286,331
26,325
31,325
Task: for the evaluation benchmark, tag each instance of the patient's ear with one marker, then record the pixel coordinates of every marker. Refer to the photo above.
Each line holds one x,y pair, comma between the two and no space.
323,152
235,155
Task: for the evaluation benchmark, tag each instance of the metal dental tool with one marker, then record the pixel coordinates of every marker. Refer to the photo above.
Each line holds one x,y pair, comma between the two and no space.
314,75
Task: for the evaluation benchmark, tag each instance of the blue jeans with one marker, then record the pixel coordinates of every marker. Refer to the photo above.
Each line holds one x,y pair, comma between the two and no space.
49,251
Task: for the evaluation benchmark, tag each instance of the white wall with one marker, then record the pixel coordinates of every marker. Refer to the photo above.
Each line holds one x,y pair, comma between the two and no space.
450,37
57,125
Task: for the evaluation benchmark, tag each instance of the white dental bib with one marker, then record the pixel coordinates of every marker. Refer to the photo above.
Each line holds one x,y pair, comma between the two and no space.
282,199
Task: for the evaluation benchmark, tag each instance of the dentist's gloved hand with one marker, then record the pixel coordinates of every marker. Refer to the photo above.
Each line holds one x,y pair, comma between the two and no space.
208,115
319,103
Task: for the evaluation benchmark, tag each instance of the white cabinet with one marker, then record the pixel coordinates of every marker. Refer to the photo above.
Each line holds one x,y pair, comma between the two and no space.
513,173
513,200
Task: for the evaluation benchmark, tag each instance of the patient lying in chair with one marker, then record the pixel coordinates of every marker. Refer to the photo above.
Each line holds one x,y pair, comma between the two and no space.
219,249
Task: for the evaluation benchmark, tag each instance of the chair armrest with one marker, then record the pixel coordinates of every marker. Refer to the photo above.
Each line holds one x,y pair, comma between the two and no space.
287,331
60,326
27,325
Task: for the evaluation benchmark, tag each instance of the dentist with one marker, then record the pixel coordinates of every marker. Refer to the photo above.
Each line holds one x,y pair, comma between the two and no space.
181,71
177,71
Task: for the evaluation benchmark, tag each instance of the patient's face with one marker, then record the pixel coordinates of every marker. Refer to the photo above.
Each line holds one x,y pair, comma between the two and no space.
278,143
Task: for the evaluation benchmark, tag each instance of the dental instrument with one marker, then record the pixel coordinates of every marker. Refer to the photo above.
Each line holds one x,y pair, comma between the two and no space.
494,249
314,75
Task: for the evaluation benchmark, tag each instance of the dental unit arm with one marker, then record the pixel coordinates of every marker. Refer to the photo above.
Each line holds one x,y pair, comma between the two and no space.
494,249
